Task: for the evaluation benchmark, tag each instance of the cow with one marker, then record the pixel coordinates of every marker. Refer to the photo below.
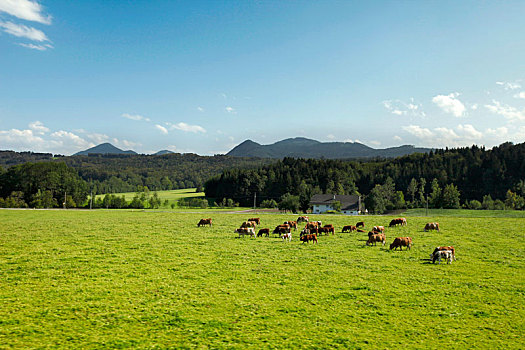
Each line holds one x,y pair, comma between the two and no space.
376,237
308,238
329,228
263,231
451,248
321,230
359,230
248,224
281,229
256,220
292,224
360,224
438,255
398,221
349,228
302,219
378,229
312,225
204,222
304,231
431,226
401,242
246,231
287,236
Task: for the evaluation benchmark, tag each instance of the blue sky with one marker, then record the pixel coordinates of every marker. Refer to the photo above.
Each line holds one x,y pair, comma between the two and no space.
203,76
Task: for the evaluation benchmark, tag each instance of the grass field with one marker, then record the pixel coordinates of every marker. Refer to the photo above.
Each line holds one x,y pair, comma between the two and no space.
122,279
466,213
172,195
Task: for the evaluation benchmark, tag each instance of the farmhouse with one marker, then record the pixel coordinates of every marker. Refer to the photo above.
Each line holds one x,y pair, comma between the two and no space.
350,205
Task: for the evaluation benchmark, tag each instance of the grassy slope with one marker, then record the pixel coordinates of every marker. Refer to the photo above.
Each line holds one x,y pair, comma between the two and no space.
173,195
148,279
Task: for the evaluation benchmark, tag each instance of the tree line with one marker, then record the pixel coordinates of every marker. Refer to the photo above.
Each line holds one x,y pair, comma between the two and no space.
471,177
114,173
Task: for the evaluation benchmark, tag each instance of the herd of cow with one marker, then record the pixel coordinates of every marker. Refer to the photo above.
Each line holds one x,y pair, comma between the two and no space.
313,229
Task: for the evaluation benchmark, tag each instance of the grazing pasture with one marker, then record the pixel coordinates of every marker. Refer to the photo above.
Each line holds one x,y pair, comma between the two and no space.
122,279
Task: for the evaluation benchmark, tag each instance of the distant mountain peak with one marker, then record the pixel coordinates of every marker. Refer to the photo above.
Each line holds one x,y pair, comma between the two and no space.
302,147
104,148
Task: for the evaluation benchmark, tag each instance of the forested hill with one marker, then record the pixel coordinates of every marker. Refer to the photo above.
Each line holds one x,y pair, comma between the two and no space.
301,147
124,173
475,171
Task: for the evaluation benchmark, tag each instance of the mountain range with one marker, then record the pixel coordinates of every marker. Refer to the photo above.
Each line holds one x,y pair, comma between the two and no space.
108,148
298,147
301,147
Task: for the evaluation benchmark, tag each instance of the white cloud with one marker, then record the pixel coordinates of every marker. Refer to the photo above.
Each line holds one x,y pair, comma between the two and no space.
450,104
497,132
200,109
162,129
25,9
36,47
186,127
21,140
128,144
136,117
399,107
348,141
23,31
397,138
468,131
375,143
38,127
520,95
418,131
66,141
509,86
474,106
445,134
230,110
511,113
330,136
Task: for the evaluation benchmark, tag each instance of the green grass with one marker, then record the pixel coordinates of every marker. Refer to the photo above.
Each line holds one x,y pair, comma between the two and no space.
466,213
123,279
172,195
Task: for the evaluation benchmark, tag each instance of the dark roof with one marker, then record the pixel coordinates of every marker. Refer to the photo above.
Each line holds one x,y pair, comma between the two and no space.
348,202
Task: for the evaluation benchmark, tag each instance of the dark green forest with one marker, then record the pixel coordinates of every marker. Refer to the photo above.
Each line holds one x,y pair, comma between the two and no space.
125,173
450,178
464,177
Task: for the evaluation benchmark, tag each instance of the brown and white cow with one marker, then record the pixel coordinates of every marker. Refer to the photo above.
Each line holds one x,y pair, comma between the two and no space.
376,237
308,238
245,231
431,226
302,219
398,221
442,254
280,229
204,222
401,242
451,248
256,220
248,224
378,229
292,224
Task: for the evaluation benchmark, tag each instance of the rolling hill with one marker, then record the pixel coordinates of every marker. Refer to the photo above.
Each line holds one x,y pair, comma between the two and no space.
301,147
104,148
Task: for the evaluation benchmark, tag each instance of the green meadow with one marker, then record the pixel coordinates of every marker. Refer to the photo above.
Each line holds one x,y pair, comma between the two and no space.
151,279
172,196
